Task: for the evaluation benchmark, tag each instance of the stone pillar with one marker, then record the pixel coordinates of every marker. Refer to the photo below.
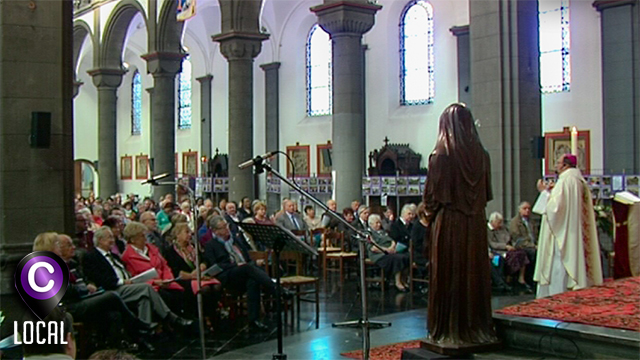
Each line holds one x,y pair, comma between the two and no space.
240,49
464,70
506,95
272,121
36,183
205,111
620,84
346,22
163,67
107,81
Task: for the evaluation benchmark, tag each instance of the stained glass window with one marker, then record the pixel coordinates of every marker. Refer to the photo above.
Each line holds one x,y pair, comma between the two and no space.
136,104
184,95
417,84
319,98
555,39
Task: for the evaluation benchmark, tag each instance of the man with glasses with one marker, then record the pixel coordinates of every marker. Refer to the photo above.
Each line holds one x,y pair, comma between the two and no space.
239,273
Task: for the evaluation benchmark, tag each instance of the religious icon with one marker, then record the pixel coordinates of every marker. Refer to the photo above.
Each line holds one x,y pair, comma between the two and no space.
559,143
142,169
126,167
190,163
324,152
299,154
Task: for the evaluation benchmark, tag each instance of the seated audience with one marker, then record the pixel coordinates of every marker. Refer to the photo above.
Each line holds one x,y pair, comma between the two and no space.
500,244
310,218
401,228
524,231
259,217
290,219
164,216
388,219
245,208
328,221
148,218
181,258
115,224
107,270
392,262
351,243
420,237
239,273
97,215
140,256
361,223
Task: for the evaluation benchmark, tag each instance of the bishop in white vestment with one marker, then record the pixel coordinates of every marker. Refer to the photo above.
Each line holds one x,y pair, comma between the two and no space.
568,252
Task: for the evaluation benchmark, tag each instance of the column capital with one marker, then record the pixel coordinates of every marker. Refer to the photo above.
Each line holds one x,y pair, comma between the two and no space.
346,17
106,78
236,45
204,79
76,87
163,63
459,30
606,4
270,66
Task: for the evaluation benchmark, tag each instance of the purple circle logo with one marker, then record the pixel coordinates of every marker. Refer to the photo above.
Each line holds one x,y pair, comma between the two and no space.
41,279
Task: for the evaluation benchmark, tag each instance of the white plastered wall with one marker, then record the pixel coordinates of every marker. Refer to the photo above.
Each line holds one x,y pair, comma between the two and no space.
582,105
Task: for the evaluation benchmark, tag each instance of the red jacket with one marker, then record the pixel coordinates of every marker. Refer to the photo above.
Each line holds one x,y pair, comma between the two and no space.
137,264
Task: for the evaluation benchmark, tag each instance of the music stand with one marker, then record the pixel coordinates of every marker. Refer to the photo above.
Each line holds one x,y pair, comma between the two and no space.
277,238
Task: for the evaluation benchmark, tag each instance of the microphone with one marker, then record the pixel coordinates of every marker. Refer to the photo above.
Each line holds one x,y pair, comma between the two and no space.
155,179
257,159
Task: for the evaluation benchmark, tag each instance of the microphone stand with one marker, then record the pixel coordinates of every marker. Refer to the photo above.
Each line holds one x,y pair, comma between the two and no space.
194,239
362,238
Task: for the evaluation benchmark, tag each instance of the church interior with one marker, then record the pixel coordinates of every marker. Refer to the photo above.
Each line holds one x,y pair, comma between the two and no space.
112,109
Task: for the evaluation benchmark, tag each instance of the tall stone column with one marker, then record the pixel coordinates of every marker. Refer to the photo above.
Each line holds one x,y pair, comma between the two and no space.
620,84
505,92
272,121
164,67
240,49
107,81
205,111
346,22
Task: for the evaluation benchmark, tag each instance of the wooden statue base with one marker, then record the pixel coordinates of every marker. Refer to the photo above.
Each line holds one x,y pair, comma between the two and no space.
460,349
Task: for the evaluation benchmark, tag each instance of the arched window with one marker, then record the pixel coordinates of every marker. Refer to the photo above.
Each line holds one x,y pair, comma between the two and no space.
318,72
555,61
184,95
136,104
417,85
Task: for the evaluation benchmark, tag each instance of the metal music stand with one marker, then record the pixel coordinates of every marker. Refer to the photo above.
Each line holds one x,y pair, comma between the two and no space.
277,238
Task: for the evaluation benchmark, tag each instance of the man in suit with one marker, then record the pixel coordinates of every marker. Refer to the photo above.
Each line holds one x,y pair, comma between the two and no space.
524,234
232,217
106,270
400,230
362,222
239,273
290,219
97,306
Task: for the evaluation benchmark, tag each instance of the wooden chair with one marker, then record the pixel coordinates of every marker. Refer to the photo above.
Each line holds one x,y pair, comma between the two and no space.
370,265
412,267
296,283
327,245
341,256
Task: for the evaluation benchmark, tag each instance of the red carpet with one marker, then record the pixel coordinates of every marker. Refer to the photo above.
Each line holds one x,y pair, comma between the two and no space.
615,304
386,352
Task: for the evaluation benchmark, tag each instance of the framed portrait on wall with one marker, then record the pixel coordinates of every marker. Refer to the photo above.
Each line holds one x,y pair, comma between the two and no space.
324,163
126,167
190,163
299,154
142,167
559,143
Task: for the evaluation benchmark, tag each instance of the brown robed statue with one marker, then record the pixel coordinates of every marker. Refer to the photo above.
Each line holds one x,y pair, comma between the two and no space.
457,191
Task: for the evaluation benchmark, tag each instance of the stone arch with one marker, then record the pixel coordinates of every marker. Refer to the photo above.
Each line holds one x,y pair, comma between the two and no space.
81,31
170,30
116,32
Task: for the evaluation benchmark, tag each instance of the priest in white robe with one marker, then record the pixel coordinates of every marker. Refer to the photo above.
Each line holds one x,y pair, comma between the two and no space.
568,252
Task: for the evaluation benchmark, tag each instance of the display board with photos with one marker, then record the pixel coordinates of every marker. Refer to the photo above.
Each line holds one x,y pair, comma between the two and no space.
220,184
314,185
605,186
393,185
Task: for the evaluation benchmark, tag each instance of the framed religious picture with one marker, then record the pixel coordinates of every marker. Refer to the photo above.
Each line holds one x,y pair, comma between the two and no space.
190,163
324,152
559,143
126,167
299,154
142,167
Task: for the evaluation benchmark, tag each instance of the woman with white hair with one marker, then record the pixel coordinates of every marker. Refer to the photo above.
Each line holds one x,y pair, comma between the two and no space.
392,262
500,245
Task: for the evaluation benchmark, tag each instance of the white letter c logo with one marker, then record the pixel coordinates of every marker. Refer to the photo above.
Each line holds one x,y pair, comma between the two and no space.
32,274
